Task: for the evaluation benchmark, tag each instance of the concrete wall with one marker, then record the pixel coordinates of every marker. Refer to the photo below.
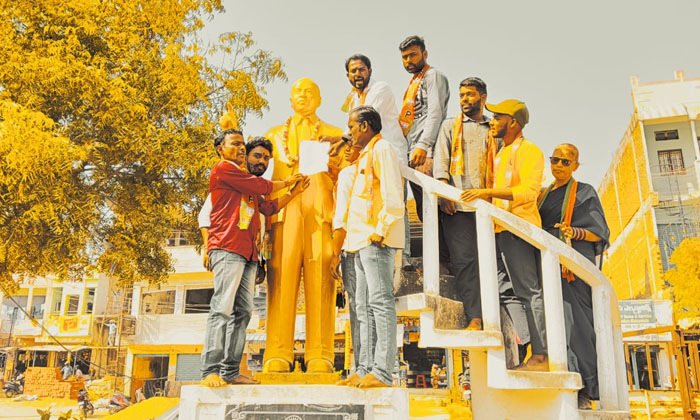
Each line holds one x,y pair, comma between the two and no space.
632,262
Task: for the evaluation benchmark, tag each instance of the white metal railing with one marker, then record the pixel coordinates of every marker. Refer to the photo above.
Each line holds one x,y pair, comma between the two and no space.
612,373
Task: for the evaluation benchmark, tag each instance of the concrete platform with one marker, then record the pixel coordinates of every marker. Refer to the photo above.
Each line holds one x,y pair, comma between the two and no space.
282,402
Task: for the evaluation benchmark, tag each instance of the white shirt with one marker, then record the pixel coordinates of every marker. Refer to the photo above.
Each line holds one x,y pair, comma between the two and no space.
388,205
381,98
342,197
204,214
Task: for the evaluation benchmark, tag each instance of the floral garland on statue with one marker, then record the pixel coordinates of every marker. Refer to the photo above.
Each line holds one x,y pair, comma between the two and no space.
291,161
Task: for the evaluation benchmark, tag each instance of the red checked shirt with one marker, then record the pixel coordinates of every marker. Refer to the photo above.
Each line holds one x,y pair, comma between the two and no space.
229,185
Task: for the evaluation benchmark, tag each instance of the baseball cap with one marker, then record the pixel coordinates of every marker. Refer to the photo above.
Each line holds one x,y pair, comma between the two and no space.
512,107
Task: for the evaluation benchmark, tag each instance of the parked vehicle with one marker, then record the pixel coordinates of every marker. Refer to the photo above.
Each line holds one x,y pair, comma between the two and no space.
117,403
14,387
84,403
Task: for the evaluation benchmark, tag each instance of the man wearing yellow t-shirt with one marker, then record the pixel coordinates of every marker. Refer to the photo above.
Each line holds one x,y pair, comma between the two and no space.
515,185
302,232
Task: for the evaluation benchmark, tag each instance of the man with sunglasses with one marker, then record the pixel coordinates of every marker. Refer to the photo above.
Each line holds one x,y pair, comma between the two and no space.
514,177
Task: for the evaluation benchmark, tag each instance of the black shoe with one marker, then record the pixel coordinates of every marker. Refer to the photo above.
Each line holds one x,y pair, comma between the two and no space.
584,401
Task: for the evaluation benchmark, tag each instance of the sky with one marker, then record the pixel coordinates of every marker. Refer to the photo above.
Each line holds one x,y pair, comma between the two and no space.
570,62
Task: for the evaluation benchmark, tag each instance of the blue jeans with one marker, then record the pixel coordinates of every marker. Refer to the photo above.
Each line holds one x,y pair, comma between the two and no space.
230,309
347,265
374,268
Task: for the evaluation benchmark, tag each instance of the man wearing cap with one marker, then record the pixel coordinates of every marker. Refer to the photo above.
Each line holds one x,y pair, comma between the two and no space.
514,176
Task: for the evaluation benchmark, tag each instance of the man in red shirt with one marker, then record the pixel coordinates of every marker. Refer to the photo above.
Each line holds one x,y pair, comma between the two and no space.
236,205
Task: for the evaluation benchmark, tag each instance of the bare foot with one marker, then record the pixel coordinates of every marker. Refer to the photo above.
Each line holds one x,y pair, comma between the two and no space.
242,380
537,362
370,381
349,381
213,381
475,325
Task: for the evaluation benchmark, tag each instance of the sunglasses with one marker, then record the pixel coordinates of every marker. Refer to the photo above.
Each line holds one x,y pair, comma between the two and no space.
554,160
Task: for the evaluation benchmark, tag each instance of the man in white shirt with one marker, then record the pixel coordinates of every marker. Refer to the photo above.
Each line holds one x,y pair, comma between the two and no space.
378,94
373,222
342,259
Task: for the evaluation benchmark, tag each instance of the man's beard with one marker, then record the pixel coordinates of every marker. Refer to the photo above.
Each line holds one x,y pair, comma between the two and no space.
257,170
472,109
364,83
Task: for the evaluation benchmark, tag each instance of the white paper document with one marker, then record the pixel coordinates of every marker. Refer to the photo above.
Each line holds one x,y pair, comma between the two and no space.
313,157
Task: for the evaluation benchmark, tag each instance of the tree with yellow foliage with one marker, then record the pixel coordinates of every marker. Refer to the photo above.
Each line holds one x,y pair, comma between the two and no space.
685,277
107,114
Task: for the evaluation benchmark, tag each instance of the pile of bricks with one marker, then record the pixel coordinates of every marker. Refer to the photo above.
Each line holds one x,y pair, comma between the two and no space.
46,382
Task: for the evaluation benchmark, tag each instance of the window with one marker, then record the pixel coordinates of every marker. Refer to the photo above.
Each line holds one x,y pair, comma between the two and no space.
666,135
72,304
155,303
671,161
57,295
187,368
12,311
89,300
37,311
197,300
178,238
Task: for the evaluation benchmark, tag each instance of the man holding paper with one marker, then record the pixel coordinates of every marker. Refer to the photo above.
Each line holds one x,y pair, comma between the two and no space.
302,233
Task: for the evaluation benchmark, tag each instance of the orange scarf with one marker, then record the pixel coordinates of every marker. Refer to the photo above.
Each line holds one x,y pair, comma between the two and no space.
457,155
368,191
409,101
351,99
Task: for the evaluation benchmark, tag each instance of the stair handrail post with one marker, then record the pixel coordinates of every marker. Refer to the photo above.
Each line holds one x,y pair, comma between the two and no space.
488,271
554,311
431,252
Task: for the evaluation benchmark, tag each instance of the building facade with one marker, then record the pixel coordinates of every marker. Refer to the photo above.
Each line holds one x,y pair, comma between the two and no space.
651,191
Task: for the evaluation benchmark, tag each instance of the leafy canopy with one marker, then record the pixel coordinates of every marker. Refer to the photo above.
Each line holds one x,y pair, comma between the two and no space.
685,277
107,113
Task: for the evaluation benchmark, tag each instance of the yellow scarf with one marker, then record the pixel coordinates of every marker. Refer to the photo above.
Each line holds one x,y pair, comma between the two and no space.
457,155
409,101
351,98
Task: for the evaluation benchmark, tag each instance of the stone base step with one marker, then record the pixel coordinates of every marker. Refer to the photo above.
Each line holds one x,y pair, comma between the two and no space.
266,378
604,415
279,402
513,379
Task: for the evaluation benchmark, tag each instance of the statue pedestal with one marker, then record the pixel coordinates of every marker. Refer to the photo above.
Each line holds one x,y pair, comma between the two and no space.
298,378
282,402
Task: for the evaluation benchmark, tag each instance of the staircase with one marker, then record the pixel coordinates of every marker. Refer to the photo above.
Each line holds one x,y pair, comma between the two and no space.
497,392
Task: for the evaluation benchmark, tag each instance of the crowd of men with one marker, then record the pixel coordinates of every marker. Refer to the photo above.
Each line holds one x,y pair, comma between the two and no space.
350,222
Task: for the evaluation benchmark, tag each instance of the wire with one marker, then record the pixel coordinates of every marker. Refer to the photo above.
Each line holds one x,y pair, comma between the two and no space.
56,340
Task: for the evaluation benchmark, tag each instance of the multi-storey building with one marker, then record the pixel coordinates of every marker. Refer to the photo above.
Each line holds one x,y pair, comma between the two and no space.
651,191
651,198
47,322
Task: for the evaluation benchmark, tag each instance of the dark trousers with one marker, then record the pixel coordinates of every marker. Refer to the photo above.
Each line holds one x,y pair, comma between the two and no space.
580,333
418,196
459,231
522,265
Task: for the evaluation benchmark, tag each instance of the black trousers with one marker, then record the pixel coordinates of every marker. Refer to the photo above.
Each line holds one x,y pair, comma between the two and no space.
418,196
580,333
459,231
522,265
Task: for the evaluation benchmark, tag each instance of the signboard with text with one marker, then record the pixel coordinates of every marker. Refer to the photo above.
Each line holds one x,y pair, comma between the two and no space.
642,314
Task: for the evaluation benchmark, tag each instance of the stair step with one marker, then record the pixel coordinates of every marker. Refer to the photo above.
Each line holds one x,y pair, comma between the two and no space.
513,379
604,415
411,282
449,314
455,338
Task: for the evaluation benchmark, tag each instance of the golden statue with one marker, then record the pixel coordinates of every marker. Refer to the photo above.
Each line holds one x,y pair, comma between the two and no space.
301,240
